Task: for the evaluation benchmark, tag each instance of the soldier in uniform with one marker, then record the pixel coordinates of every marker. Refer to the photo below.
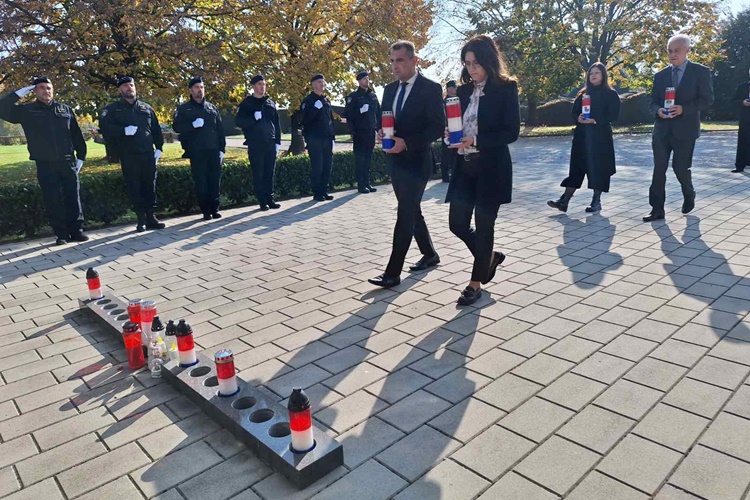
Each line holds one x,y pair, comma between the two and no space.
134,128
258,118
56,144
449,154
317,123
202,136
362,114
741,100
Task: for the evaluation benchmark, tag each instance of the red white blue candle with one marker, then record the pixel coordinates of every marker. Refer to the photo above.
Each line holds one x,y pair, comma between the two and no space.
586,106
388,125
455,123
669,94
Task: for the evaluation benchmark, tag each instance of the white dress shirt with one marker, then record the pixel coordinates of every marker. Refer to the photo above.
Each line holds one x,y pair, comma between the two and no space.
407,91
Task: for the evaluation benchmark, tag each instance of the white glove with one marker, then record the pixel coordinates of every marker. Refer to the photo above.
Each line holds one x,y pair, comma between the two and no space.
333,144
258,115
221,157
318,105
157,155
198,123
364,109
24,91
131,130
278,148
79,164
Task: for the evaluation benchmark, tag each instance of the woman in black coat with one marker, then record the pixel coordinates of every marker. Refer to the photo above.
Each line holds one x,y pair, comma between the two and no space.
593,151
483,171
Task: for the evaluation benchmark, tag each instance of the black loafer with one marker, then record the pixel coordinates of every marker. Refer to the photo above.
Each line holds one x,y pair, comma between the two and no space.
319,198
327,197
78,236
688,206
206,216
363,190
385,281
372,189
469,296
738,170
652,217
272,204
61,241
498,259
263,208
425,263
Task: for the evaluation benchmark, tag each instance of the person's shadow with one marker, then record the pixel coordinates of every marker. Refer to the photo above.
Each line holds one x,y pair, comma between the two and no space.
585,250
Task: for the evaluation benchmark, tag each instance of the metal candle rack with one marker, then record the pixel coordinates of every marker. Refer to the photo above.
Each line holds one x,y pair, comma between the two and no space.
254,419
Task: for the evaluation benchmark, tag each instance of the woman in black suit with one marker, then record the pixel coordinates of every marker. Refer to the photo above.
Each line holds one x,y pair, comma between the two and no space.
483,171
593,150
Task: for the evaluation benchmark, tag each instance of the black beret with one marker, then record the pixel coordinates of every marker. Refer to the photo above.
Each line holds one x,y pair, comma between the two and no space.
124,79
194,80
362,74
450,84
41,79
317,77
256,79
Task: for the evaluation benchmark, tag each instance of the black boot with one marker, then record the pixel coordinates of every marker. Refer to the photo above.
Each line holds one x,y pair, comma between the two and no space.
141,221
562,203
596,203
152,222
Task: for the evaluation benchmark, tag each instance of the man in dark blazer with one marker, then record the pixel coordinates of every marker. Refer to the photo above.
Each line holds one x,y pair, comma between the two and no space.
678,126
417,106
742,101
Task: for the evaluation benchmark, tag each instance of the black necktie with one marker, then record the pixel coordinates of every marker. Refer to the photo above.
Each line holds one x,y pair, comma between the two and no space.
400,100
675,76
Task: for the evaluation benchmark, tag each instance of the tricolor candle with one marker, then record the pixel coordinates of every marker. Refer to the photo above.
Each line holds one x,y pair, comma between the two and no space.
388,125
225,373
669,97
131,335
185,344
300,421
455,123
95,286
134,311
586,106
148,312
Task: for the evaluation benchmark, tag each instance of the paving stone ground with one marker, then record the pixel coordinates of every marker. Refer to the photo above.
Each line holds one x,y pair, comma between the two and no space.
608,360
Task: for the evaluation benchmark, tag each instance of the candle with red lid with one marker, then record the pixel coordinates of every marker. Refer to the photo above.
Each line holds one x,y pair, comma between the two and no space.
225,373
95,286
185,344
455,123
586,106
134,311
300,421
148,312
131,335
388,125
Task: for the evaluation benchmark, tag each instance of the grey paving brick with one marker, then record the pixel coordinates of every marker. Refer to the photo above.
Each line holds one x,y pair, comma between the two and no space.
656,374
369,481
302,377
350,411
514,487
556,327
414,410
573,349
729,434
719,372
572,391
121,489
8,481
47,490
7,410
597,485
355,378
458,384
367,439
277,486
58,459
628,399
16,450
640,463
623,316
536,419
49,395
438,363
342,359
599,331
448,479
711,474
603,367
508,392
467,419
732,350
36,419
669,492
596,428
527,344
474,345
139,402
679,353
557,464
101,470
740,402
33,368
628,347
652,330
226,479
696,397
506,328
398,385
417,452
542,369
671,427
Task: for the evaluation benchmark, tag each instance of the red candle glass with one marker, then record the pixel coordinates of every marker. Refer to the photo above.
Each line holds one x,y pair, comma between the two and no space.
131,335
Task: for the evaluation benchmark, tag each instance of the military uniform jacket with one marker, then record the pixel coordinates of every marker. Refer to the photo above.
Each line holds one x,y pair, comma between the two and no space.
259,120
317,121
208,137
121,114
52,132
362,111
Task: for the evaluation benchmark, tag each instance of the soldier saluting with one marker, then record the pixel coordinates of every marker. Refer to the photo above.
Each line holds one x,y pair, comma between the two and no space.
362,114
202,136
56,144
134,128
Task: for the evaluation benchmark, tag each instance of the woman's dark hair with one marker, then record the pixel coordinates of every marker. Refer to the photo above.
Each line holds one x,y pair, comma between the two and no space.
489,58
605,79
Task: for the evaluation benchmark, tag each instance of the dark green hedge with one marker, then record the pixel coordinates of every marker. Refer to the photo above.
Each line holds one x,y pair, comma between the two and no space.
104,199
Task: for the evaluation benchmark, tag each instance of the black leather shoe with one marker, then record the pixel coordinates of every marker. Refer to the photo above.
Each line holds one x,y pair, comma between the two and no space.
385,281
497,259
738,170
469,296
561,204
273,204
327,197
216,215
206,216
319,198
425,262
139,228
363,190
78,236
61,241
372,189
263,208
153,223
652,217
688,206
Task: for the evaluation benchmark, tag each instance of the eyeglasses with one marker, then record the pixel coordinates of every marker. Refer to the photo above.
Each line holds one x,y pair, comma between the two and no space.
471,64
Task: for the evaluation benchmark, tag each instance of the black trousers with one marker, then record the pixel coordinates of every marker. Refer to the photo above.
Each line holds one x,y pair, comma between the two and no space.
320,150
60,192
475,195
742,159
681,151
364,143
446,162
409,187
262,157
206,168
139,171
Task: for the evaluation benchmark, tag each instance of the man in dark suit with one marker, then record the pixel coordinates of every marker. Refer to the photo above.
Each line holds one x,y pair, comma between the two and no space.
678,126
741,100
417,106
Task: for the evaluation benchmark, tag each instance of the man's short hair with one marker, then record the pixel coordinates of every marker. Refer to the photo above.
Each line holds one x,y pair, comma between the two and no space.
404,44
680,37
